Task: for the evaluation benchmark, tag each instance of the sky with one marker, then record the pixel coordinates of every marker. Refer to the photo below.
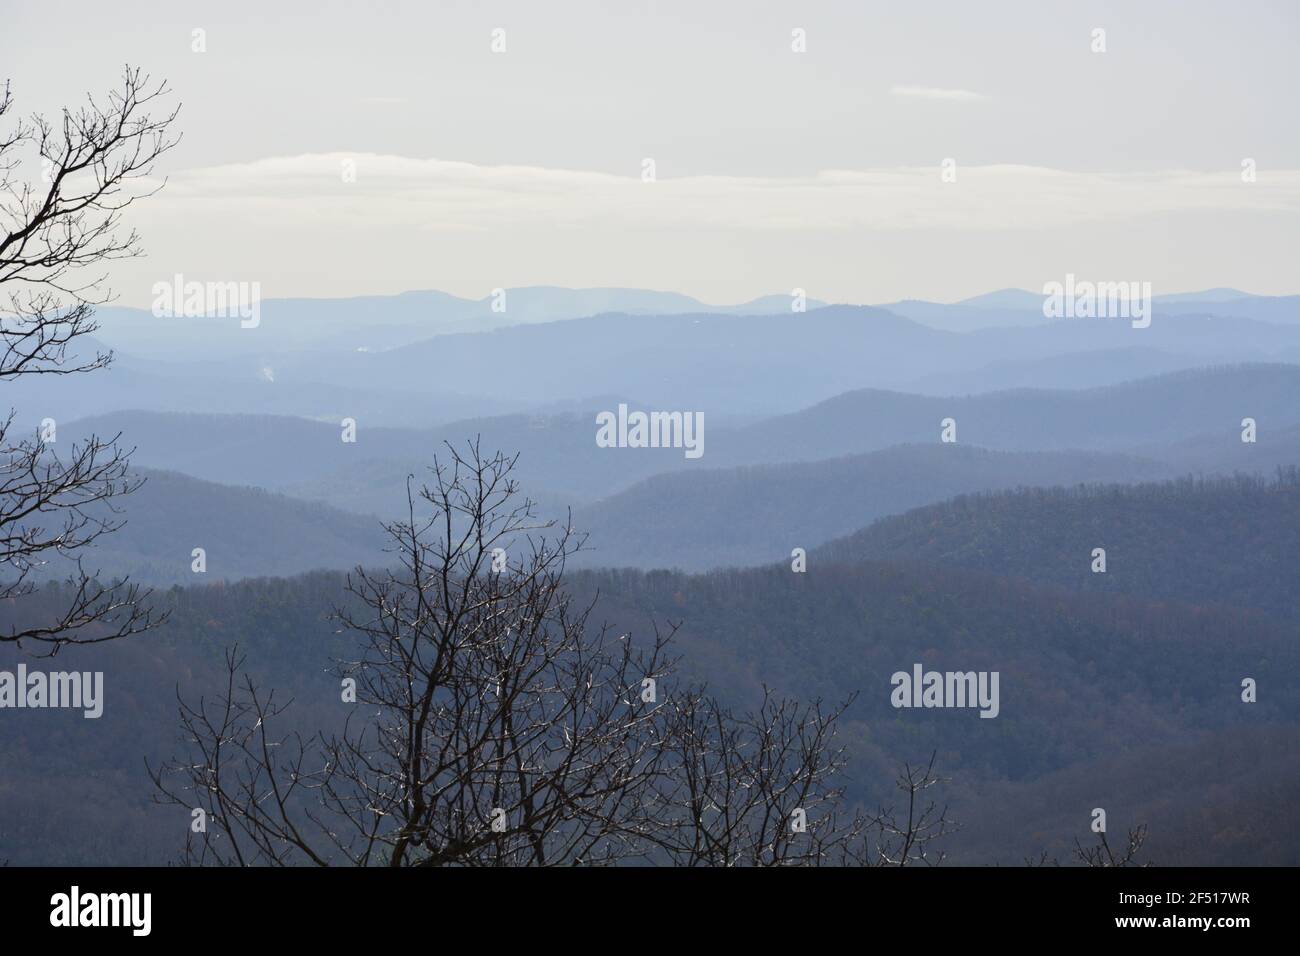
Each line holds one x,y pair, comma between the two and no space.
773,169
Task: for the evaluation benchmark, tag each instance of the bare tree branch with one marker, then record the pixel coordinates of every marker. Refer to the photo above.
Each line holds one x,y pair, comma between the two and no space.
93,163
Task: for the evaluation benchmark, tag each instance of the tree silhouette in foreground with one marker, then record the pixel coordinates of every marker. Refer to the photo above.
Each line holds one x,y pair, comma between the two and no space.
53,228
496,723
1101,855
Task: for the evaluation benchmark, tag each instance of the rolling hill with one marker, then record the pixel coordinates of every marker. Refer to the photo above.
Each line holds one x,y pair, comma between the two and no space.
1228,540
1122,700
559,459
245,532
756,514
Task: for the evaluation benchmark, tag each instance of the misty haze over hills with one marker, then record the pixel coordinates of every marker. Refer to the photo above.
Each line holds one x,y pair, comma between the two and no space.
377,323
1047,403
559,454
823,432
729,365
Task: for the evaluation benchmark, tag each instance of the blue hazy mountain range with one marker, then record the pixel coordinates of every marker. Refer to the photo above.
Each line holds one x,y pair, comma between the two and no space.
1018,307
847,398
730,366
760,489
559,453
378,322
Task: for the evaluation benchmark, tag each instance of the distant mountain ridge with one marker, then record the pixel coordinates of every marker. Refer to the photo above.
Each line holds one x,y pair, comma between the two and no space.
754,502
1022,308
729,366
377,322
559,457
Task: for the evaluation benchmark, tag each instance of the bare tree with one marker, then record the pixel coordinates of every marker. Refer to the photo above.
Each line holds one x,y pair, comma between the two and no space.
54,228
756,789
895,838
1101,855
500,728
494,723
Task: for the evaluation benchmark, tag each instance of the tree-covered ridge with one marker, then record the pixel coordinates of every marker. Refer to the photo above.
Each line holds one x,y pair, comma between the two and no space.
1217,540
1081,674
1077,670
756,514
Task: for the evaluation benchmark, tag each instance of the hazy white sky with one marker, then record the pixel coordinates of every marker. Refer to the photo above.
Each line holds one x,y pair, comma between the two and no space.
775,169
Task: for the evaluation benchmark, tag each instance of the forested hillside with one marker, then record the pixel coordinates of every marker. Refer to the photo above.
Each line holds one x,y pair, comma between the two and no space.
1226,540
755,514
244,532
1079,673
